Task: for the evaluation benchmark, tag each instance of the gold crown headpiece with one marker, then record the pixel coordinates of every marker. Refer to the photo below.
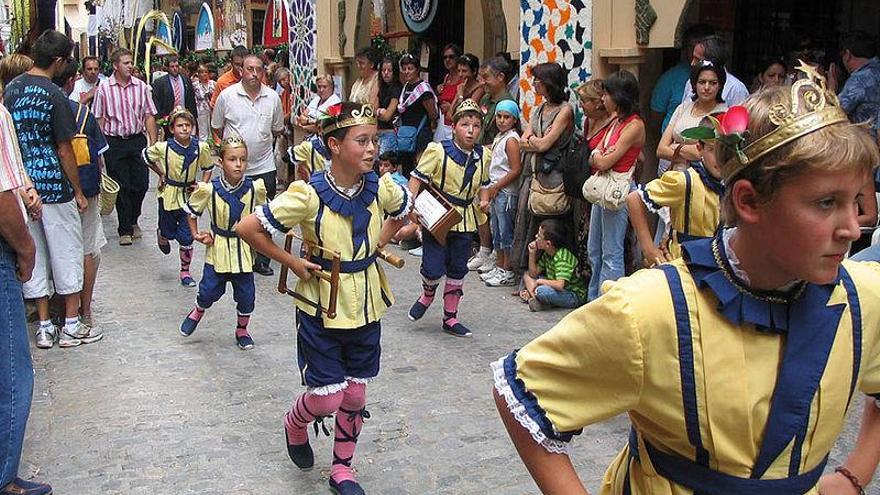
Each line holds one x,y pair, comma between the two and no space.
468,105
334,117
231,143
180,111
810,94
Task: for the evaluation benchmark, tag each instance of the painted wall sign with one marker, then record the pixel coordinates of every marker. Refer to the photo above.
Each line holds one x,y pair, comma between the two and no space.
303,59
418,14
205,29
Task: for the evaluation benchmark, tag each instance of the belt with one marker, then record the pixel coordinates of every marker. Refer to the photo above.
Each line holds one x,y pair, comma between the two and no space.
682,237
171,182
223,232
702,479
125,138
346,266
464,203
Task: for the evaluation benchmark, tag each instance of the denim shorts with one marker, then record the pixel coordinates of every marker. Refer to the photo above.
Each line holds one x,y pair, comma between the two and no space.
502,216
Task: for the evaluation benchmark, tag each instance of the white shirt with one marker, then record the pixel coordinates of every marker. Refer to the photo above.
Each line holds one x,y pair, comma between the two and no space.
255,121
500,164
79,87
734,92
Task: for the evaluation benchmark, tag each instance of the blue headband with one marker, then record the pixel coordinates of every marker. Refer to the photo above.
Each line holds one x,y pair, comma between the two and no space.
508,106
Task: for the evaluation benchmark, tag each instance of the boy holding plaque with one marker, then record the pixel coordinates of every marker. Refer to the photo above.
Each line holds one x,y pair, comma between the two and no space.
459,169
340,209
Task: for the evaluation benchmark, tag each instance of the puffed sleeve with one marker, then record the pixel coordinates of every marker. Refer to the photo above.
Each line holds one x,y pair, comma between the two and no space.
394,198
584,370
666,190
205,161
155,153
429,163
199,199
259,192
302,152
290,208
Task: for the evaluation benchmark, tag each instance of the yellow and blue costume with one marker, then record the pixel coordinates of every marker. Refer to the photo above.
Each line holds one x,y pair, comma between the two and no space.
182,166
762,386
228,259
458,175
693,198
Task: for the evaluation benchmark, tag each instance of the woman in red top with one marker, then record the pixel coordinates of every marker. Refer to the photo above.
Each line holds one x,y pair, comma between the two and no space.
618,150
447,90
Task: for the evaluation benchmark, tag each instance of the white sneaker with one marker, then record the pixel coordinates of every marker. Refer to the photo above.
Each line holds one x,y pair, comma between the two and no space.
490,274
489,265
65,340
477,260
45,337
416,251
92,335
502,278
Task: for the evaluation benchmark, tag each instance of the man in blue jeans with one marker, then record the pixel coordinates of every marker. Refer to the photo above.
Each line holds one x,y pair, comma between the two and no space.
17,253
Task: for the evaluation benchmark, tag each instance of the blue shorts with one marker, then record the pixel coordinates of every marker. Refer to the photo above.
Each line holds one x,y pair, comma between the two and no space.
502,216
213,286
328,356
450,260
174,226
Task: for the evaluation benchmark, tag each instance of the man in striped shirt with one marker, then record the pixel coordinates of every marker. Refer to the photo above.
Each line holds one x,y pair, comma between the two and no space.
124,109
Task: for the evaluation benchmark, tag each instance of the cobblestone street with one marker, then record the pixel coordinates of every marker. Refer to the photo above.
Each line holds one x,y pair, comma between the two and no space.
146,411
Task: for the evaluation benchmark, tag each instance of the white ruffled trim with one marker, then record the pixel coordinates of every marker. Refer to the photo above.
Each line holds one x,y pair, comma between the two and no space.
407,208
329,389
189,211
362,381
646,199
265,222
522,417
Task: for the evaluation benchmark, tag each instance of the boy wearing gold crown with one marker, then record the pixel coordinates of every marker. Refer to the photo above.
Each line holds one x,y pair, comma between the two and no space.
459,169
340,209
226,200
692,196
736,363
177,162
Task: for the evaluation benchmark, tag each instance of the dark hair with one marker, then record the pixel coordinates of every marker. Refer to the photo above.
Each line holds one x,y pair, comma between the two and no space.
66,73
368,53
767,62
390,156
408,59
714,47
512,65
553,76
497,65
859,43
395,73
471,61
170,59
623,88
345,113
50,46
711,66
90,58
116,56
239,51
556,232
454,47
696,32
185,116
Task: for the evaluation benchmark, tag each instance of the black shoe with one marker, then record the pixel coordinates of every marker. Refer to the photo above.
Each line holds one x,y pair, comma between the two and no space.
263,269
301,455
408,244
457,330
346,487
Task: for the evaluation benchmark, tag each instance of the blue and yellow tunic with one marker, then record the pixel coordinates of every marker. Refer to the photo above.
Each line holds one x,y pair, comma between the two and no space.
693,198
312,153
349,225
459,175
182,166
226,206
721,384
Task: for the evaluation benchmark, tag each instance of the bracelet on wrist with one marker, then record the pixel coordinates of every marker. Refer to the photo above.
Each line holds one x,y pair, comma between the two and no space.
851,477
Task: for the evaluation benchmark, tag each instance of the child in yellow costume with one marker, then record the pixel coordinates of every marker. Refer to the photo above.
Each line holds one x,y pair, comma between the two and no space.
692,195
226,200
177,162
341,209
736,363
309,156
459,169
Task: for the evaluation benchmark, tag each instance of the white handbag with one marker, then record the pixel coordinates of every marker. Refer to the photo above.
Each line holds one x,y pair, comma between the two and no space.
608,188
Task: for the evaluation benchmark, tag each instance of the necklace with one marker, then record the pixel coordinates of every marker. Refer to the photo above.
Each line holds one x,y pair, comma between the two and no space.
766,296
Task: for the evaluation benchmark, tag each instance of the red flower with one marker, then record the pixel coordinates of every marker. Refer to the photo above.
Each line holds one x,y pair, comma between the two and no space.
735,121
334,110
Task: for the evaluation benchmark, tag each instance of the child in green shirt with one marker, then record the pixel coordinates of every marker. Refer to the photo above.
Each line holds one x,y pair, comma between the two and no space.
552,279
